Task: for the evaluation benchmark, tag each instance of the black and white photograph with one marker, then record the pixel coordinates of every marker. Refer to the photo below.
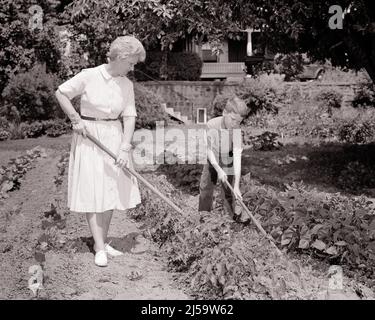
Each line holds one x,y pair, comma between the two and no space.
187,154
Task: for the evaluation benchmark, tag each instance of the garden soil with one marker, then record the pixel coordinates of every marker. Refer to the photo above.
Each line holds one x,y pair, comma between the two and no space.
68,269
37,230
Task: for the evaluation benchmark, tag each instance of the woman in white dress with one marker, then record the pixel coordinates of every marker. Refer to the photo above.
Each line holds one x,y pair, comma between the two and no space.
97,185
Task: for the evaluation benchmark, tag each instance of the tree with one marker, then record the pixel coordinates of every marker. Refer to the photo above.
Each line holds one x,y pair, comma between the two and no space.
285,25
303,26
23,44
154,22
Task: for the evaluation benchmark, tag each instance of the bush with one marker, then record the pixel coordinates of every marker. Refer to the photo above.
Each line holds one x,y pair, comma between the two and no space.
329,99
21,46
32,94
4,129
180,66
289,64
4,135
56,128
357,131
365,96
257,96
32,130
149,108
52,128
4,123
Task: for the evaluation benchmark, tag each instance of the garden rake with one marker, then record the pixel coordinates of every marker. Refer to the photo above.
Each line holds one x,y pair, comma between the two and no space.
253,219
296,267
136,175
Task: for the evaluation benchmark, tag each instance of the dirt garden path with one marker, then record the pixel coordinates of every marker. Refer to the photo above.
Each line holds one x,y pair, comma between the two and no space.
31,233
68,268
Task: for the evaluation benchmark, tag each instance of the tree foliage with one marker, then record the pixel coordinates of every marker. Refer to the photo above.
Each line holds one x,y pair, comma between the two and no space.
286,25
22,46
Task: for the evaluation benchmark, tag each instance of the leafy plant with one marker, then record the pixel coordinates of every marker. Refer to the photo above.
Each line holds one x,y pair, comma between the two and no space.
32,130
32,94
61,166
4,129
149,107
56,128
267,141
289,64
4,135
365,96
357,131
332,227
329,100
11,175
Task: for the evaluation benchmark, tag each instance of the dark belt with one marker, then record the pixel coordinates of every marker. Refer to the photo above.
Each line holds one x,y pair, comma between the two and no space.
98,119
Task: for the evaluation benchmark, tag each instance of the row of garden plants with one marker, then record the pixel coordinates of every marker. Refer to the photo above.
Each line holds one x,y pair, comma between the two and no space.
11,175
220,259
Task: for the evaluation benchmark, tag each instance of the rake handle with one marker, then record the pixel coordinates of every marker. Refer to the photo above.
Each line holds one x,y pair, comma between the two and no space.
136,175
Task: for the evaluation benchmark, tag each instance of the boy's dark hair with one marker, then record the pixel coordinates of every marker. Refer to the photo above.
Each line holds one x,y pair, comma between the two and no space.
238,106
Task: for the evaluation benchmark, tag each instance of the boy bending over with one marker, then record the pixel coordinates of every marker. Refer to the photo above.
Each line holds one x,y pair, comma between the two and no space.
224,149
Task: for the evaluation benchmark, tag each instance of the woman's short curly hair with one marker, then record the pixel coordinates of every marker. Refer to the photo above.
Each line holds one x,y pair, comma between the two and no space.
126,46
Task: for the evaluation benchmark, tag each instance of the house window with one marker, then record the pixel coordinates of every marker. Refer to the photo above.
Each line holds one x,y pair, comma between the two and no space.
207,55
201,115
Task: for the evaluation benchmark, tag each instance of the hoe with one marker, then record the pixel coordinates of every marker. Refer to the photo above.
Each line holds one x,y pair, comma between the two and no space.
170,203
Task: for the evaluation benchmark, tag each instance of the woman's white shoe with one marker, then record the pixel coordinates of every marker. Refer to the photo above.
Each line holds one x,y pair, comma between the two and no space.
111,251
101,258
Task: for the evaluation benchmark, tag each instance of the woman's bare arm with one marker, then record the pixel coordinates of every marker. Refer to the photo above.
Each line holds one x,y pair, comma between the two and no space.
69,110
129,127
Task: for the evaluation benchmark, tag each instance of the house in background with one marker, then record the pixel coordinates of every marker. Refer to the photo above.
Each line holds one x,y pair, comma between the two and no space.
236,60
190,102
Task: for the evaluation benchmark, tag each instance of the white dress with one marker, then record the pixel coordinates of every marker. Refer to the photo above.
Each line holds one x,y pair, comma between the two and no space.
95,183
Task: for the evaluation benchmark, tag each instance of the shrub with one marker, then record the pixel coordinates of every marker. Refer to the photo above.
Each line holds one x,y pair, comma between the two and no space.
257,96
4,129
4,123
180,66
267,141
357,131
21,46
184,66
150,69
365,96
32,94
32,130
289,64
329,100
56,128
148,106
4,135
52,128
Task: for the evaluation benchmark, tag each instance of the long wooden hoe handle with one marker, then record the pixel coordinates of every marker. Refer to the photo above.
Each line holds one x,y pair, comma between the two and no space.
136,174
255,221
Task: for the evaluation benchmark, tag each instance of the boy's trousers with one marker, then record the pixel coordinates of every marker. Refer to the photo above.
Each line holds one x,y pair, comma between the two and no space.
206,187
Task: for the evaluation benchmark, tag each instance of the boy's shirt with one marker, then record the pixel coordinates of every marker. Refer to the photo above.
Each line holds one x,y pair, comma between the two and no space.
221,141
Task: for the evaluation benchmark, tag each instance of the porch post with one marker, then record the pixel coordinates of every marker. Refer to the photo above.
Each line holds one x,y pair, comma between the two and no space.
249,47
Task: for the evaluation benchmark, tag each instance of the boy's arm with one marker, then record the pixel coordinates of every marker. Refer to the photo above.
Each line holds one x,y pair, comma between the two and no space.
237,153
212,159
237,167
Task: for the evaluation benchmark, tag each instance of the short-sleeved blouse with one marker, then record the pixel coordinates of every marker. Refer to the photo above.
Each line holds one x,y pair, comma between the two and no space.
102,95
